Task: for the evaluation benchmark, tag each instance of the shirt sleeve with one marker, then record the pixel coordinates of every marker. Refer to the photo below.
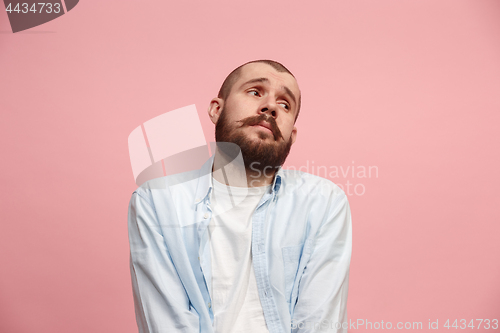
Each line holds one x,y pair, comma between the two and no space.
160,300
322,295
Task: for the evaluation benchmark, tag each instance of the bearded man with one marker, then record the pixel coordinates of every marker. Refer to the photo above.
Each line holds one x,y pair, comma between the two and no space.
242,245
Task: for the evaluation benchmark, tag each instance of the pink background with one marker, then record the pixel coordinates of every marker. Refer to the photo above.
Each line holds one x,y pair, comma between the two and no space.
411,87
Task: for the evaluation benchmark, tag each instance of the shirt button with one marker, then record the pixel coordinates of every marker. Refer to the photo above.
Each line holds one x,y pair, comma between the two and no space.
198,199
205,216
198,258
209,304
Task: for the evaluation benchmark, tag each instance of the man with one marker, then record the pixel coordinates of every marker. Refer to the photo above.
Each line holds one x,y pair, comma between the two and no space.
243,245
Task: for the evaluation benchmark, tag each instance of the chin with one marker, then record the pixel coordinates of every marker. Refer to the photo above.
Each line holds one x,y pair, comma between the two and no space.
265,136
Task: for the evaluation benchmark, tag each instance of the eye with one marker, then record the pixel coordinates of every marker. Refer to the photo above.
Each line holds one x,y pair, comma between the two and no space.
285,105
254,92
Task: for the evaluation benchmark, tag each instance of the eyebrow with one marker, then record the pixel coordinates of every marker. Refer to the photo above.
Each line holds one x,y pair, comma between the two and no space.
266,80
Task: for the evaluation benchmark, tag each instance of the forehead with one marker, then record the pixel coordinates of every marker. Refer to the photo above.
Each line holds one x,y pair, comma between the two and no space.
262,70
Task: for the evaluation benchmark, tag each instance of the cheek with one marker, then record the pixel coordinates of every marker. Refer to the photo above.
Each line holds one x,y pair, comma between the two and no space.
235,112
286,130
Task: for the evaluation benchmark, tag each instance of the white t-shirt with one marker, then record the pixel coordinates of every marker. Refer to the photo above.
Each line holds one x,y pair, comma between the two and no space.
235,299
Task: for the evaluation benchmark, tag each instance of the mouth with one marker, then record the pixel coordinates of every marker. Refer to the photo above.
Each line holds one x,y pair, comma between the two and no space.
261,122
266,126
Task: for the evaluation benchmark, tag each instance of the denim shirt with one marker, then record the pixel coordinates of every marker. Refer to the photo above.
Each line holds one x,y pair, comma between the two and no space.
301,251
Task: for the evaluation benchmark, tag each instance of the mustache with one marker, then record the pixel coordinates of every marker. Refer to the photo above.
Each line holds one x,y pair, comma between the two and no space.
254,120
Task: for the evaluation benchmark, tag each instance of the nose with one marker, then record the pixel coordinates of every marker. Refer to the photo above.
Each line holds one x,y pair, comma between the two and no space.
269,107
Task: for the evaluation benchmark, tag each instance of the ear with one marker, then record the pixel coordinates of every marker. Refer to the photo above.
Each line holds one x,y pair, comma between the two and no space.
215,108
294,134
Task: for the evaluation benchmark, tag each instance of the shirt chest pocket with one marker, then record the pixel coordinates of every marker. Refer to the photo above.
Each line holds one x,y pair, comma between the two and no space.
291,259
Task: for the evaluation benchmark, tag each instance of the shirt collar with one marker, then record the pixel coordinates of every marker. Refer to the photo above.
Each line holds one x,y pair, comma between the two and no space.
204,181
205,184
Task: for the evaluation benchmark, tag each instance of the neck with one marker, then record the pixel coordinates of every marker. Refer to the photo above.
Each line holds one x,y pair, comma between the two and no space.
232,171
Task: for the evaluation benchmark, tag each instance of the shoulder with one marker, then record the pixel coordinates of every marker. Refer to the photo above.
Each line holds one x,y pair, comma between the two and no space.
306,185
169,186
320,202
319,196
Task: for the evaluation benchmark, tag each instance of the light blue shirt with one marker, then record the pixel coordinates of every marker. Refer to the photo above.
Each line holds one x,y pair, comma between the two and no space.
301,251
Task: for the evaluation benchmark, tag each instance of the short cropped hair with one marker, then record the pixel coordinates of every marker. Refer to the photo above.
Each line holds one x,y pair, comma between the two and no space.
230,80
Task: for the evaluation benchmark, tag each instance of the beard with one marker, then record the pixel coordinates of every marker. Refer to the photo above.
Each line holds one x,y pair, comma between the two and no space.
257,155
